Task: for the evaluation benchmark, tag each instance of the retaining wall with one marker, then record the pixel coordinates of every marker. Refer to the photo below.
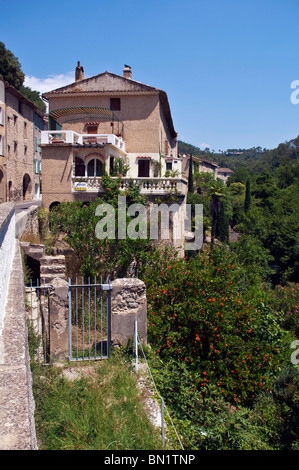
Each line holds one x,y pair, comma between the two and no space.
17,427
7,243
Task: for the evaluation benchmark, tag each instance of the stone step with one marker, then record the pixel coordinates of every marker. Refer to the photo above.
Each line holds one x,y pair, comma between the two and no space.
49,278
52,269
59,259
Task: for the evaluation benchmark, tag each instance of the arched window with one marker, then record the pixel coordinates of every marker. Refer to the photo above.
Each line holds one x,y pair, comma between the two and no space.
95,168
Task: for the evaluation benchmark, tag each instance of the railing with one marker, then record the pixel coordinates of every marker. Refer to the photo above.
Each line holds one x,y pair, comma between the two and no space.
149,186
71,137
157,185
88,184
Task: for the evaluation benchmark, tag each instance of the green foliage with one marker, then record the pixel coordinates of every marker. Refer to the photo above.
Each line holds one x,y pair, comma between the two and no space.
247,202
34,97
120,167
279,410
254,257
100,257
190,176
222,228
10,68
209,422
285,299
273,222
199,315
97,411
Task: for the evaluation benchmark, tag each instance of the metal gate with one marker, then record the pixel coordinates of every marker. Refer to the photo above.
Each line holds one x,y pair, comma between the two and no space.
89,320
38,308
89,312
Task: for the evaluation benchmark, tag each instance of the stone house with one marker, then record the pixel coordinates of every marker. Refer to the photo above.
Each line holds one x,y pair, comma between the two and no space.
109,123
207,166
199,164
224,174
97,122
21,123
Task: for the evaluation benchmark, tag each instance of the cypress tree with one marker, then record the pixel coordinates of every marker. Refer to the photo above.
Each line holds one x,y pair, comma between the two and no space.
190,176
222,227
247,202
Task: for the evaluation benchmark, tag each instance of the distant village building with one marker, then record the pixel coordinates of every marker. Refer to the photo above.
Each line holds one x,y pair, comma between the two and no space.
199,165
21,123
202,165
224,173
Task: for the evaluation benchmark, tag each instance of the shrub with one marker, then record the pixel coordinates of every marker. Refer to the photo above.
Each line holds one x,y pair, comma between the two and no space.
198,316
285,299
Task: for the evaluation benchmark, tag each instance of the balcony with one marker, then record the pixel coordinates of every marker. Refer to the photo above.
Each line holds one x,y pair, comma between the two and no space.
84,140
149,186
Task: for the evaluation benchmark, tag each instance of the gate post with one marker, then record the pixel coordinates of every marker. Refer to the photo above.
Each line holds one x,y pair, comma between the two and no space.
59,321
128,302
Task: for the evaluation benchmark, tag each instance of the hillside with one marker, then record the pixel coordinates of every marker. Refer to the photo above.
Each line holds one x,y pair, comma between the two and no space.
254,159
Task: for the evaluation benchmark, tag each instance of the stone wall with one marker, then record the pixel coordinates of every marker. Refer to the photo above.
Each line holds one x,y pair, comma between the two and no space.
17,425
7,244
128,301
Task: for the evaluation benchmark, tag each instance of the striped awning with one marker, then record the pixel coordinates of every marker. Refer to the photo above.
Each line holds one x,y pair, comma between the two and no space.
88,110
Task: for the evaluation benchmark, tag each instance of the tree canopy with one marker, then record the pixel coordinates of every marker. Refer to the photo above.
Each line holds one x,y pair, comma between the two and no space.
11,72
10,68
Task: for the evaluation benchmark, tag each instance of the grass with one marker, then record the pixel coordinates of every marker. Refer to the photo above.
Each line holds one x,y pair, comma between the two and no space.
101,409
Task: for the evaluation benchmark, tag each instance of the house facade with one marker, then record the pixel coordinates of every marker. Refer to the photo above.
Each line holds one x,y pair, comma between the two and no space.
114,124
99,122
199,165
21,123
205,166
224,174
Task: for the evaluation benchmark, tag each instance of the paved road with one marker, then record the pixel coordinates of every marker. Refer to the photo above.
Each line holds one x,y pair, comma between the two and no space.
21,206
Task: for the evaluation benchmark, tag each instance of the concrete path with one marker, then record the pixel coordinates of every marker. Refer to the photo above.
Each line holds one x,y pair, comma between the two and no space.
17,428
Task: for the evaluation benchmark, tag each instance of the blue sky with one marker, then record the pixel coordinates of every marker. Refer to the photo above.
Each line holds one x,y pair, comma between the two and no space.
226,65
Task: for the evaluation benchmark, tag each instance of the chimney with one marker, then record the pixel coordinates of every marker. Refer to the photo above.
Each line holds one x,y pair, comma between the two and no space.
79,74
127,72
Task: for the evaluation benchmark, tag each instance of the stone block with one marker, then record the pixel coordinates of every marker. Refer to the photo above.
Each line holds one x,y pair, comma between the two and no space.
128,301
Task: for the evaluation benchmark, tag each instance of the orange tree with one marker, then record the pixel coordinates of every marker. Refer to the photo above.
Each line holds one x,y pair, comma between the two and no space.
202,313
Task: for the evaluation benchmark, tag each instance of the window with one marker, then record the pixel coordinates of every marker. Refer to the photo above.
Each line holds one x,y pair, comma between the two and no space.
1,145
115,104
25,149
1,116
25,130
95,168
37,166
79,167
169,166
92,129
111,165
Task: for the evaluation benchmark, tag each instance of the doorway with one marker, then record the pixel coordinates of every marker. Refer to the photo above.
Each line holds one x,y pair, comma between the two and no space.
143,168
